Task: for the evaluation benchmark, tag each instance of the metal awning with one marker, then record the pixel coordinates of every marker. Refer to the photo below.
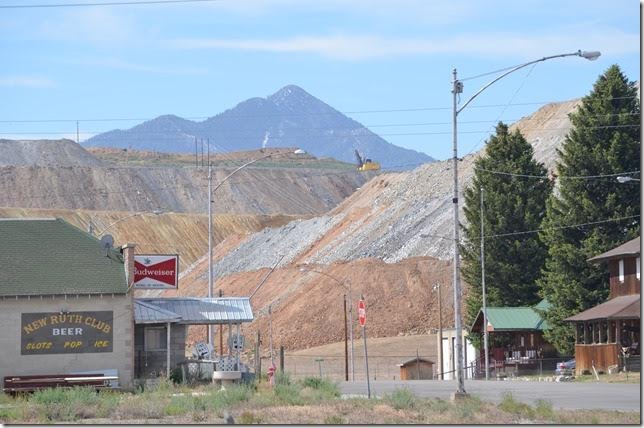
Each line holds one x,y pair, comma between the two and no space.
622,307
199,311
146,313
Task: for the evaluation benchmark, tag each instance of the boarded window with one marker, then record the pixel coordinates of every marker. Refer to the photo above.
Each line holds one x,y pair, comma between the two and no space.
155,339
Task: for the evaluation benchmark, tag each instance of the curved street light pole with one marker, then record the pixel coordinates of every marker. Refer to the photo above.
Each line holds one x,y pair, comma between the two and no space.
350,322
211,190
457,88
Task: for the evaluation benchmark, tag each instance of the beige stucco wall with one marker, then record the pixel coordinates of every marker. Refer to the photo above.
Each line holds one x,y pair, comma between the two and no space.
120,358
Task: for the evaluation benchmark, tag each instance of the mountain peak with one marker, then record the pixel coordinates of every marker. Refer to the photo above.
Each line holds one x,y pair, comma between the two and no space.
289,92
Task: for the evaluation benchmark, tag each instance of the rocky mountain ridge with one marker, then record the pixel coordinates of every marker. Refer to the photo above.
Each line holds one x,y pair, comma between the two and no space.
63,175
291,117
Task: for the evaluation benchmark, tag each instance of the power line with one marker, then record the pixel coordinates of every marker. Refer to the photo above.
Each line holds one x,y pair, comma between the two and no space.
364,133
564,177
113,3
500,235
352,127
334,112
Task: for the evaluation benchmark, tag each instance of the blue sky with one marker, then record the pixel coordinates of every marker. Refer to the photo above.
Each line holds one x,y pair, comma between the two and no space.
198,59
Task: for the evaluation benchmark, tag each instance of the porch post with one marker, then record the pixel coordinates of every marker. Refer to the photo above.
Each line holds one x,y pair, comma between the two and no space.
585,333
238,347
230,336
576,333
167,356
618,332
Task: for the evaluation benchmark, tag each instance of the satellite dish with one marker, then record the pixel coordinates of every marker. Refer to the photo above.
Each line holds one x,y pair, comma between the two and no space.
107,242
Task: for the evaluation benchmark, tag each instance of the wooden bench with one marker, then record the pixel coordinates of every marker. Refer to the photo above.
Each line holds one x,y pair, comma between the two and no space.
13,384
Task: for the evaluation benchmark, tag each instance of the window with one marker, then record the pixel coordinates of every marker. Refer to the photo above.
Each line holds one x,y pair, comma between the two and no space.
155,339
621,270
637,268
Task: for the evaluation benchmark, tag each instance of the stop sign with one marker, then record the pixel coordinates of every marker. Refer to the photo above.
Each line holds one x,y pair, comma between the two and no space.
362,313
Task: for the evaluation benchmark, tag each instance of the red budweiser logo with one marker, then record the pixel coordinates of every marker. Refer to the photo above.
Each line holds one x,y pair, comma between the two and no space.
164,271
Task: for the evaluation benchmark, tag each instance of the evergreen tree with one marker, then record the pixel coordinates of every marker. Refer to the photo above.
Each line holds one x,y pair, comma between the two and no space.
604,140
511,204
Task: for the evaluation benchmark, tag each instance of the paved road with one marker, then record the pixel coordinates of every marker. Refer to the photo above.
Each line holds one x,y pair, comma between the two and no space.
564,395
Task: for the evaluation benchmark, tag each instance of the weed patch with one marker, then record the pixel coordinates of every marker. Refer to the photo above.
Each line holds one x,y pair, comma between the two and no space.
401,399
543,409
320,389
510,405
333,420
249,418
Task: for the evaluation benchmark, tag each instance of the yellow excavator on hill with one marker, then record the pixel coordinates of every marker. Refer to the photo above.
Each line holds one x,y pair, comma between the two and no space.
366,164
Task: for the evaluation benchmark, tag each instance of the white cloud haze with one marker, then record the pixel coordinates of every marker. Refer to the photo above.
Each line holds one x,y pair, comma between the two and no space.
361,47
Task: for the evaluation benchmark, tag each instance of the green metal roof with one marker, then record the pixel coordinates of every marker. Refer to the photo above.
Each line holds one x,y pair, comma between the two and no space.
512,319
50,256
543,305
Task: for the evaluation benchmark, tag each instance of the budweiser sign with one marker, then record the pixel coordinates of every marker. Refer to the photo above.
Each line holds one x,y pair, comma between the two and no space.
159,271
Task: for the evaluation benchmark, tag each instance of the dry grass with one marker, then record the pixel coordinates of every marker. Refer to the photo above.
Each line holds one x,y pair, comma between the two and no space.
313,401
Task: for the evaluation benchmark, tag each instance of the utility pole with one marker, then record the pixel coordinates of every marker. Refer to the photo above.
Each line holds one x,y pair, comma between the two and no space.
346,350
485,335
440,329
196,154
460,391
210,342
270,334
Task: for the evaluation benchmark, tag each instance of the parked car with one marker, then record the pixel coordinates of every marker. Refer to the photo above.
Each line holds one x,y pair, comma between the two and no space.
566,367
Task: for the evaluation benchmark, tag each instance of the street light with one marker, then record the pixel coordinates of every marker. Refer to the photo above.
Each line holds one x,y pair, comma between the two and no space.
211,190
350,323
626,178
90,228
457,88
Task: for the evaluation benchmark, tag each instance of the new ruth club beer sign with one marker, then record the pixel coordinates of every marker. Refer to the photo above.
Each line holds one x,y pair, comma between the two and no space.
159,271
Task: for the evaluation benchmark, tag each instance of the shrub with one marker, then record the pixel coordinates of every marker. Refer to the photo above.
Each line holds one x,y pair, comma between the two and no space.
438,405
468,407
178,405
333,420
312,382
227,397
176,376
323,388
510,405
401,399
288,394
282,378
543,409
248,418
139,407
69,404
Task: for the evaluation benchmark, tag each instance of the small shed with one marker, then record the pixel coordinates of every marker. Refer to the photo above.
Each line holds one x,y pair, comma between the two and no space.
416,369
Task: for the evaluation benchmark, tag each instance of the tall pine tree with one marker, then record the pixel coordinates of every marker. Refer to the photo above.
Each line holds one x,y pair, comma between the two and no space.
511,204
604,140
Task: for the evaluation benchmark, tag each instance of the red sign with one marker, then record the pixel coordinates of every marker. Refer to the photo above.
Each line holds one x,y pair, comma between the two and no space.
159,271
362,313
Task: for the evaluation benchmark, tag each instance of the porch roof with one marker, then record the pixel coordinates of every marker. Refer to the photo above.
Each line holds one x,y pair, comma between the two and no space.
622,307
199,311
630,248
146,313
